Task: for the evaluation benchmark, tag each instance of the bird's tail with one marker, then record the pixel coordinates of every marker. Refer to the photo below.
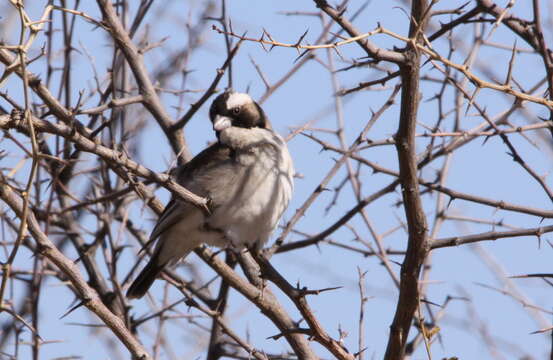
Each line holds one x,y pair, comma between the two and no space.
145,279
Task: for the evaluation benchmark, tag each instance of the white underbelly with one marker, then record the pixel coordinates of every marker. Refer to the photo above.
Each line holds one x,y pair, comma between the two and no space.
255,209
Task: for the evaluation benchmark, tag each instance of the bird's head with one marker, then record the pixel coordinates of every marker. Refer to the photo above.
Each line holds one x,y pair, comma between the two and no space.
236,109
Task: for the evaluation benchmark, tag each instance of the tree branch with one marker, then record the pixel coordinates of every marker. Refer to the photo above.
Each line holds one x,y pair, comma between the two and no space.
87,295
417,246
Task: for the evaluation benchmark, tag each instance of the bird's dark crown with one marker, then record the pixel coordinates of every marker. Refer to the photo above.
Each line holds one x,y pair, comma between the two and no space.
240,108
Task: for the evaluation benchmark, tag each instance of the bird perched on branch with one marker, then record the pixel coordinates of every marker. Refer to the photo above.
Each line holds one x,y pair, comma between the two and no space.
248,177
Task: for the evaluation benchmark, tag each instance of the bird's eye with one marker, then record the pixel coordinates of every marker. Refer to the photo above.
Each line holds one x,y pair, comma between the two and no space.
236,110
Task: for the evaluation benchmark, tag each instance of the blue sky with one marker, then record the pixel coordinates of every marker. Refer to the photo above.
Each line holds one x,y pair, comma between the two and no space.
482,168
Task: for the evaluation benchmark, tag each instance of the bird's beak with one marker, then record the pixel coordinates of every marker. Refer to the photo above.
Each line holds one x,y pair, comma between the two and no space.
221,123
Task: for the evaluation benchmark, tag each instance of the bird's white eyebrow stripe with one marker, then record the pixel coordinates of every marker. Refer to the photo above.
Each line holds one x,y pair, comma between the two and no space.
238,99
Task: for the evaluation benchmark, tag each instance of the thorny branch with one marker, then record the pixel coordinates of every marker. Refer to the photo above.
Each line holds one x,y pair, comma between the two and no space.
77,182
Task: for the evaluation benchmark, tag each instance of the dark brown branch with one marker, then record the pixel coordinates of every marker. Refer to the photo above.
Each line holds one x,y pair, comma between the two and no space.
298,296
264,300
417,245
463,19
371,49
544,51
488,236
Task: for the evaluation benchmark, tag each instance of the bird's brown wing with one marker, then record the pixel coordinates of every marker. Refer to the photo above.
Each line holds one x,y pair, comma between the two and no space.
175,210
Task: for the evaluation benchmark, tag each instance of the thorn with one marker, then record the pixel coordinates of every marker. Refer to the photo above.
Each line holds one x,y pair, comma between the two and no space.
472,98
342,11
450,201
486,140
75,308
301,55
269,35
431,303
338,52
298,43
261,40
511,64
230,25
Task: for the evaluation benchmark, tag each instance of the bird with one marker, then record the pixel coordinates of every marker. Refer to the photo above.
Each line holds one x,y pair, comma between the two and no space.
247,176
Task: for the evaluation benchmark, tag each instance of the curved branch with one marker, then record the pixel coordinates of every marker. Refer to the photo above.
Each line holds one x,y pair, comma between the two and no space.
371,49
88,296
265,300
118,159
